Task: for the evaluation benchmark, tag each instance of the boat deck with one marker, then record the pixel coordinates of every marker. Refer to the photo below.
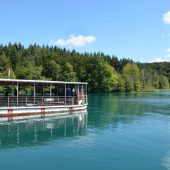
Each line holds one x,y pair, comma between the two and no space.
20,101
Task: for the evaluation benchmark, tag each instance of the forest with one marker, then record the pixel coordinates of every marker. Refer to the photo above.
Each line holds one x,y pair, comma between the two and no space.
103,73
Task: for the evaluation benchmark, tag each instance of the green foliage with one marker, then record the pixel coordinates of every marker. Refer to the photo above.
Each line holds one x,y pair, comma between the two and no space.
5,67
67,73
103,73
4,62
53,70
121,87
109,79
101,76
28,71
164,83
132,77
138,85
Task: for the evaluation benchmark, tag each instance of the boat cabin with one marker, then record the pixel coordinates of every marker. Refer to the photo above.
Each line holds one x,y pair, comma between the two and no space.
27,93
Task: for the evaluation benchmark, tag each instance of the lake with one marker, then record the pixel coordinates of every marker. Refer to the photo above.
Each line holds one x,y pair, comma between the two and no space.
119,132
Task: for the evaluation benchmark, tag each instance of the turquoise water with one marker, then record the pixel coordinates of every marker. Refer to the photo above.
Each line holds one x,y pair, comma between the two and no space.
120,132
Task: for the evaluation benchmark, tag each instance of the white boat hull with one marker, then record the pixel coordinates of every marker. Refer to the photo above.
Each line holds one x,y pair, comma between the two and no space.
22,113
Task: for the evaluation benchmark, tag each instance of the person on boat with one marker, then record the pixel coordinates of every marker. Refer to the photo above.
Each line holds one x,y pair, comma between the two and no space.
73,92
69,92
6,92
15,92
69,95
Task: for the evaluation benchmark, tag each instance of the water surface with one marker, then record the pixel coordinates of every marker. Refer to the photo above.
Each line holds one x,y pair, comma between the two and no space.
120,132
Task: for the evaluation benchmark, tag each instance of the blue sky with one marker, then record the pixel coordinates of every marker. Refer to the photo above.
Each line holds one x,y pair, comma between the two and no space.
135,29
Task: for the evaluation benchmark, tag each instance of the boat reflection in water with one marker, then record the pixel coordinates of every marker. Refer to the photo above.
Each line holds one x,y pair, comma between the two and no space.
41,131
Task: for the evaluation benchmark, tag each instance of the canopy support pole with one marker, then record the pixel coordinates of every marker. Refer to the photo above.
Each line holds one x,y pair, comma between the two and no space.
78,94
50,90
17,94
65,93
34,93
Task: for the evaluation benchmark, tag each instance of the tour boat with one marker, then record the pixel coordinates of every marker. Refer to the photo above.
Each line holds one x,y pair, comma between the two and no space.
25,99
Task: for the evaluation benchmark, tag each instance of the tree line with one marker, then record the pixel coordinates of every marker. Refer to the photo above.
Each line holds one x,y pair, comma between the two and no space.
103,73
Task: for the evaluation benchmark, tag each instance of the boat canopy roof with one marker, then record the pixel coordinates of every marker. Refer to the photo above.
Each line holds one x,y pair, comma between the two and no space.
38,82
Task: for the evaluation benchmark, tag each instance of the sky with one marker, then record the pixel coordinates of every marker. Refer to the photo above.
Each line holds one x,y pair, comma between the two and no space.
134,29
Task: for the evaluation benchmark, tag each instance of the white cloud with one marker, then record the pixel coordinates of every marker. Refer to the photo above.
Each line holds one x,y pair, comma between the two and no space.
166,18
168,55
75,41
158,60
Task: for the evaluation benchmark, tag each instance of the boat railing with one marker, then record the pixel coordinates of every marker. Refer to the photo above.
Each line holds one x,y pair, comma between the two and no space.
19,101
